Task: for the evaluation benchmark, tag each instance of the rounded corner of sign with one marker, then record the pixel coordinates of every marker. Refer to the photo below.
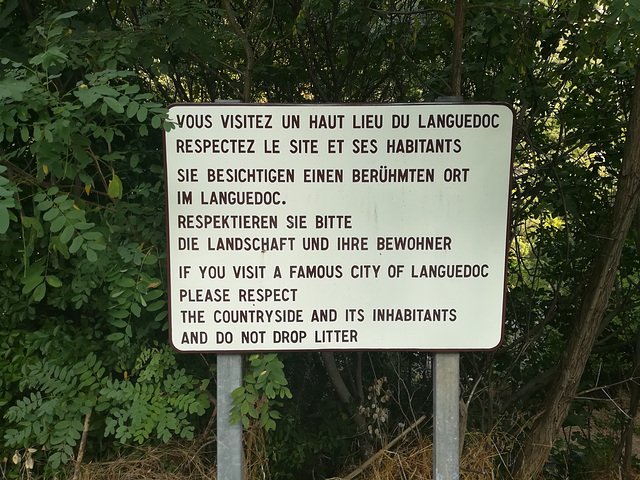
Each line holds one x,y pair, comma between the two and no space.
175,347
495,345
509,107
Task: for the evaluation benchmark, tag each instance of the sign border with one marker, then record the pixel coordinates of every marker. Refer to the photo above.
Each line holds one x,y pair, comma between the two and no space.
349,345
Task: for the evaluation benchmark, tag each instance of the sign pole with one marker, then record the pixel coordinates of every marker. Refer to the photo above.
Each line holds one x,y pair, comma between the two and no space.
229,377
446,414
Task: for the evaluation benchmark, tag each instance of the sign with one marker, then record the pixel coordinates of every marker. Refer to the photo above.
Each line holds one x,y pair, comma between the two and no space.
337,227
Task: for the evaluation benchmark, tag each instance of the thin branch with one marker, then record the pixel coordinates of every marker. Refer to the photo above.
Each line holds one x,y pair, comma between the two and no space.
414,12
604,387
97,164
83,442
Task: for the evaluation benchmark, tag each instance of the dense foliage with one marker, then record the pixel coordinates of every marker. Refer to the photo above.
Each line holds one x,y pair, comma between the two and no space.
83,86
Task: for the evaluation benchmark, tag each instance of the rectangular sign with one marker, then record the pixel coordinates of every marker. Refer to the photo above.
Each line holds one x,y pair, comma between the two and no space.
337,227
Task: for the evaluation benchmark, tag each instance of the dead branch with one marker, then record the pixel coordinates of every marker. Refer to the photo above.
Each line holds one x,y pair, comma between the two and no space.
372,459
83,442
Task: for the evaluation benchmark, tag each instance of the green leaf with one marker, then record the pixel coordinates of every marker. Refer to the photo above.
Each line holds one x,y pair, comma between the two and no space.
150,259
270,425
66,234
39,292
92,236
44,205
114,104
126,282
141,114
152,295
31,282
92,256
76,244
51,214
66,15
96,245
53,281
116,322
132,109
115,187
58,223
156,306
62,199
119,314
615,35
83,225
4,220
55,459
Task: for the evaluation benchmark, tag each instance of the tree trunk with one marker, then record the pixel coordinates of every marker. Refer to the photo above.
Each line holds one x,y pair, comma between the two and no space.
456,57
249,53
593,308
625,447
347,398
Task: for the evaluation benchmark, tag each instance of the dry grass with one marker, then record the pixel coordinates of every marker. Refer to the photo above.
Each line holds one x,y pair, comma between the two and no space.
186,461
415,461
173,461
412,460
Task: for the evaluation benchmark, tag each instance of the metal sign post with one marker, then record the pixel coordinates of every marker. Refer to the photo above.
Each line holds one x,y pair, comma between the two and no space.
446,416
229,375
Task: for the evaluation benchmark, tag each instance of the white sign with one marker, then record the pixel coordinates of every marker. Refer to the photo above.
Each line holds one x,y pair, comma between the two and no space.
337,227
